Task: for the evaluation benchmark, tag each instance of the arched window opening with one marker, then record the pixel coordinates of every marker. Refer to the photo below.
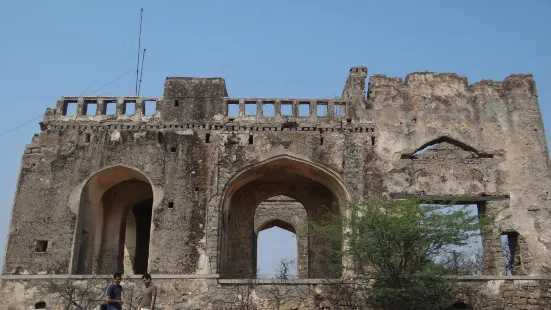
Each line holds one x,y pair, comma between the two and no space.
281,239
277,253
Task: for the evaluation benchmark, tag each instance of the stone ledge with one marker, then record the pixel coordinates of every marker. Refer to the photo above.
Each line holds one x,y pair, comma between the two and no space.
277,281
513,278
366,127
82,277
335,281
451,198
256,281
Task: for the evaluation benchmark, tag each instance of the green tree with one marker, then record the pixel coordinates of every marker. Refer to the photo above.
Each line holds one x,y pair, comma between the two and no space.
396,244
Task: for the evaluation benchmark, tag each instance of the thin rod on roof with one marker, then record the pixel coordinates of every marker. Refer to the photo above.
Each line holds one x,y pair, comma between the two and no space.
139,47
141,73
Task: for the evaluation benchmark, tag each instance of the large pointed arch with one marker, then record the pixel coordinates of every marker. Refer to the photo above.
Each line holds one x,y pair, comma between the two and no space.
314,171
318,188
105,203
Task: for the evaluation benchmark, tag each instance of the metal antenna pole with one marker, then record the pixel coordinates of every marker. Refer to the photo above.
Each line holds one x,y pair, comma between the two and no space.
141,73
139,47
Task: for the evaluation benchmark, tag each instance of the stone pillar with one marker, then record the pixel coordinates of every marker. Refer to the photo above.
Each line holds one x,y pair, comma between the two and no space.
140,107
494,263
121,107
81,107
101,108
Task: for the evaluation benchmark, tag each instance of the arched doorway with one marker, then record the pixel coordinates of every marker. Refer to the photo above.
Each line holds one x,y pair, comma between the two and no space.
316,188
114,221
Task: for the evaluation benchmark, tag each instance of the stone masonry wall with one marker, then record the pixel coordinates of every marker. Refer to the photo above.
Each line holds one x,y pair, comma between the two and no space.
499,123
513,293
431,133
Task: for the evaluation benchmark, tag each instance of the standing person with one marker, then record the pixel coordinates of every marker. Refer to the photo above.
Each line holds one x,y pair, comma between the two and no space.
113,296
149,294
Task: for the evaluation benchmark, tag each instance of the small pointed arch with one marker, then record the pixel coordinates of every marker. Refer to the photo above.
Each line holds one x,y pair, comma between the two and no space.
441,142
281,211
286,218
277,223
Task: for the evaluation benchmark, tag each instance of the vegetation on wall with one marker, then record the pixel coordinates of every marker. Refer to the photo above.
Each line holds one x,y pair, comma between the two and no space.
404,249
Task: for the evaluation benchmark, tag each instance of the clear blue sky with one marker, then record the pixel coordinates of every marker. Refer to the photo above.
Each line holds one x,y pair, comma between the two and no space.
283,48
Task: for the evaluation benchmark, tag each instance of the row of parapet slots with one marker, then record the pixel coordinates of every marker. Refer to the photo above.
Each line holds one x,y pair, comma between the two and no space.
261,107
233,107
84,105
215,127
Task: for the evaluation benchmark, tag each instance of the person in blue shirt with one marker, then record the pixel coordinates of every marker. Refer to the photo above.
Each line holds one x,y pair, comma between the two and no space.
113,295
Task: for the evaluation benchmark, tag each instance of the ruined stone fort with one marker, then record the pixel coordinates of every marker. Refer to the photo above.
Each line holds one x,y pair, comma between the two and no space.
183,192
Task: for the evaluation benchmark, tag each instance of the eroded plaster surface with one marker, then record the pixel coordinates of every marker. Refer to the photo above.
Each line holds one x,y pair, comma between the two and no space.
206,175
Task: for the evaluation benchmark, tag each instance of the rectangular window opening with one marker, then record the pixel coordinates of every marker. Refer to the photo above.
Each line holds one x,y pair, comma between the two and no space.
41,246
372,140
511,253
129,108
250,108
337,109
70,108
286,108
250,139
173,149
304,109
176,103
87,137
321,109
150,108
233,108
268,109
91,108
321,140
171,205
197,189
466,259
207,138
110,108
